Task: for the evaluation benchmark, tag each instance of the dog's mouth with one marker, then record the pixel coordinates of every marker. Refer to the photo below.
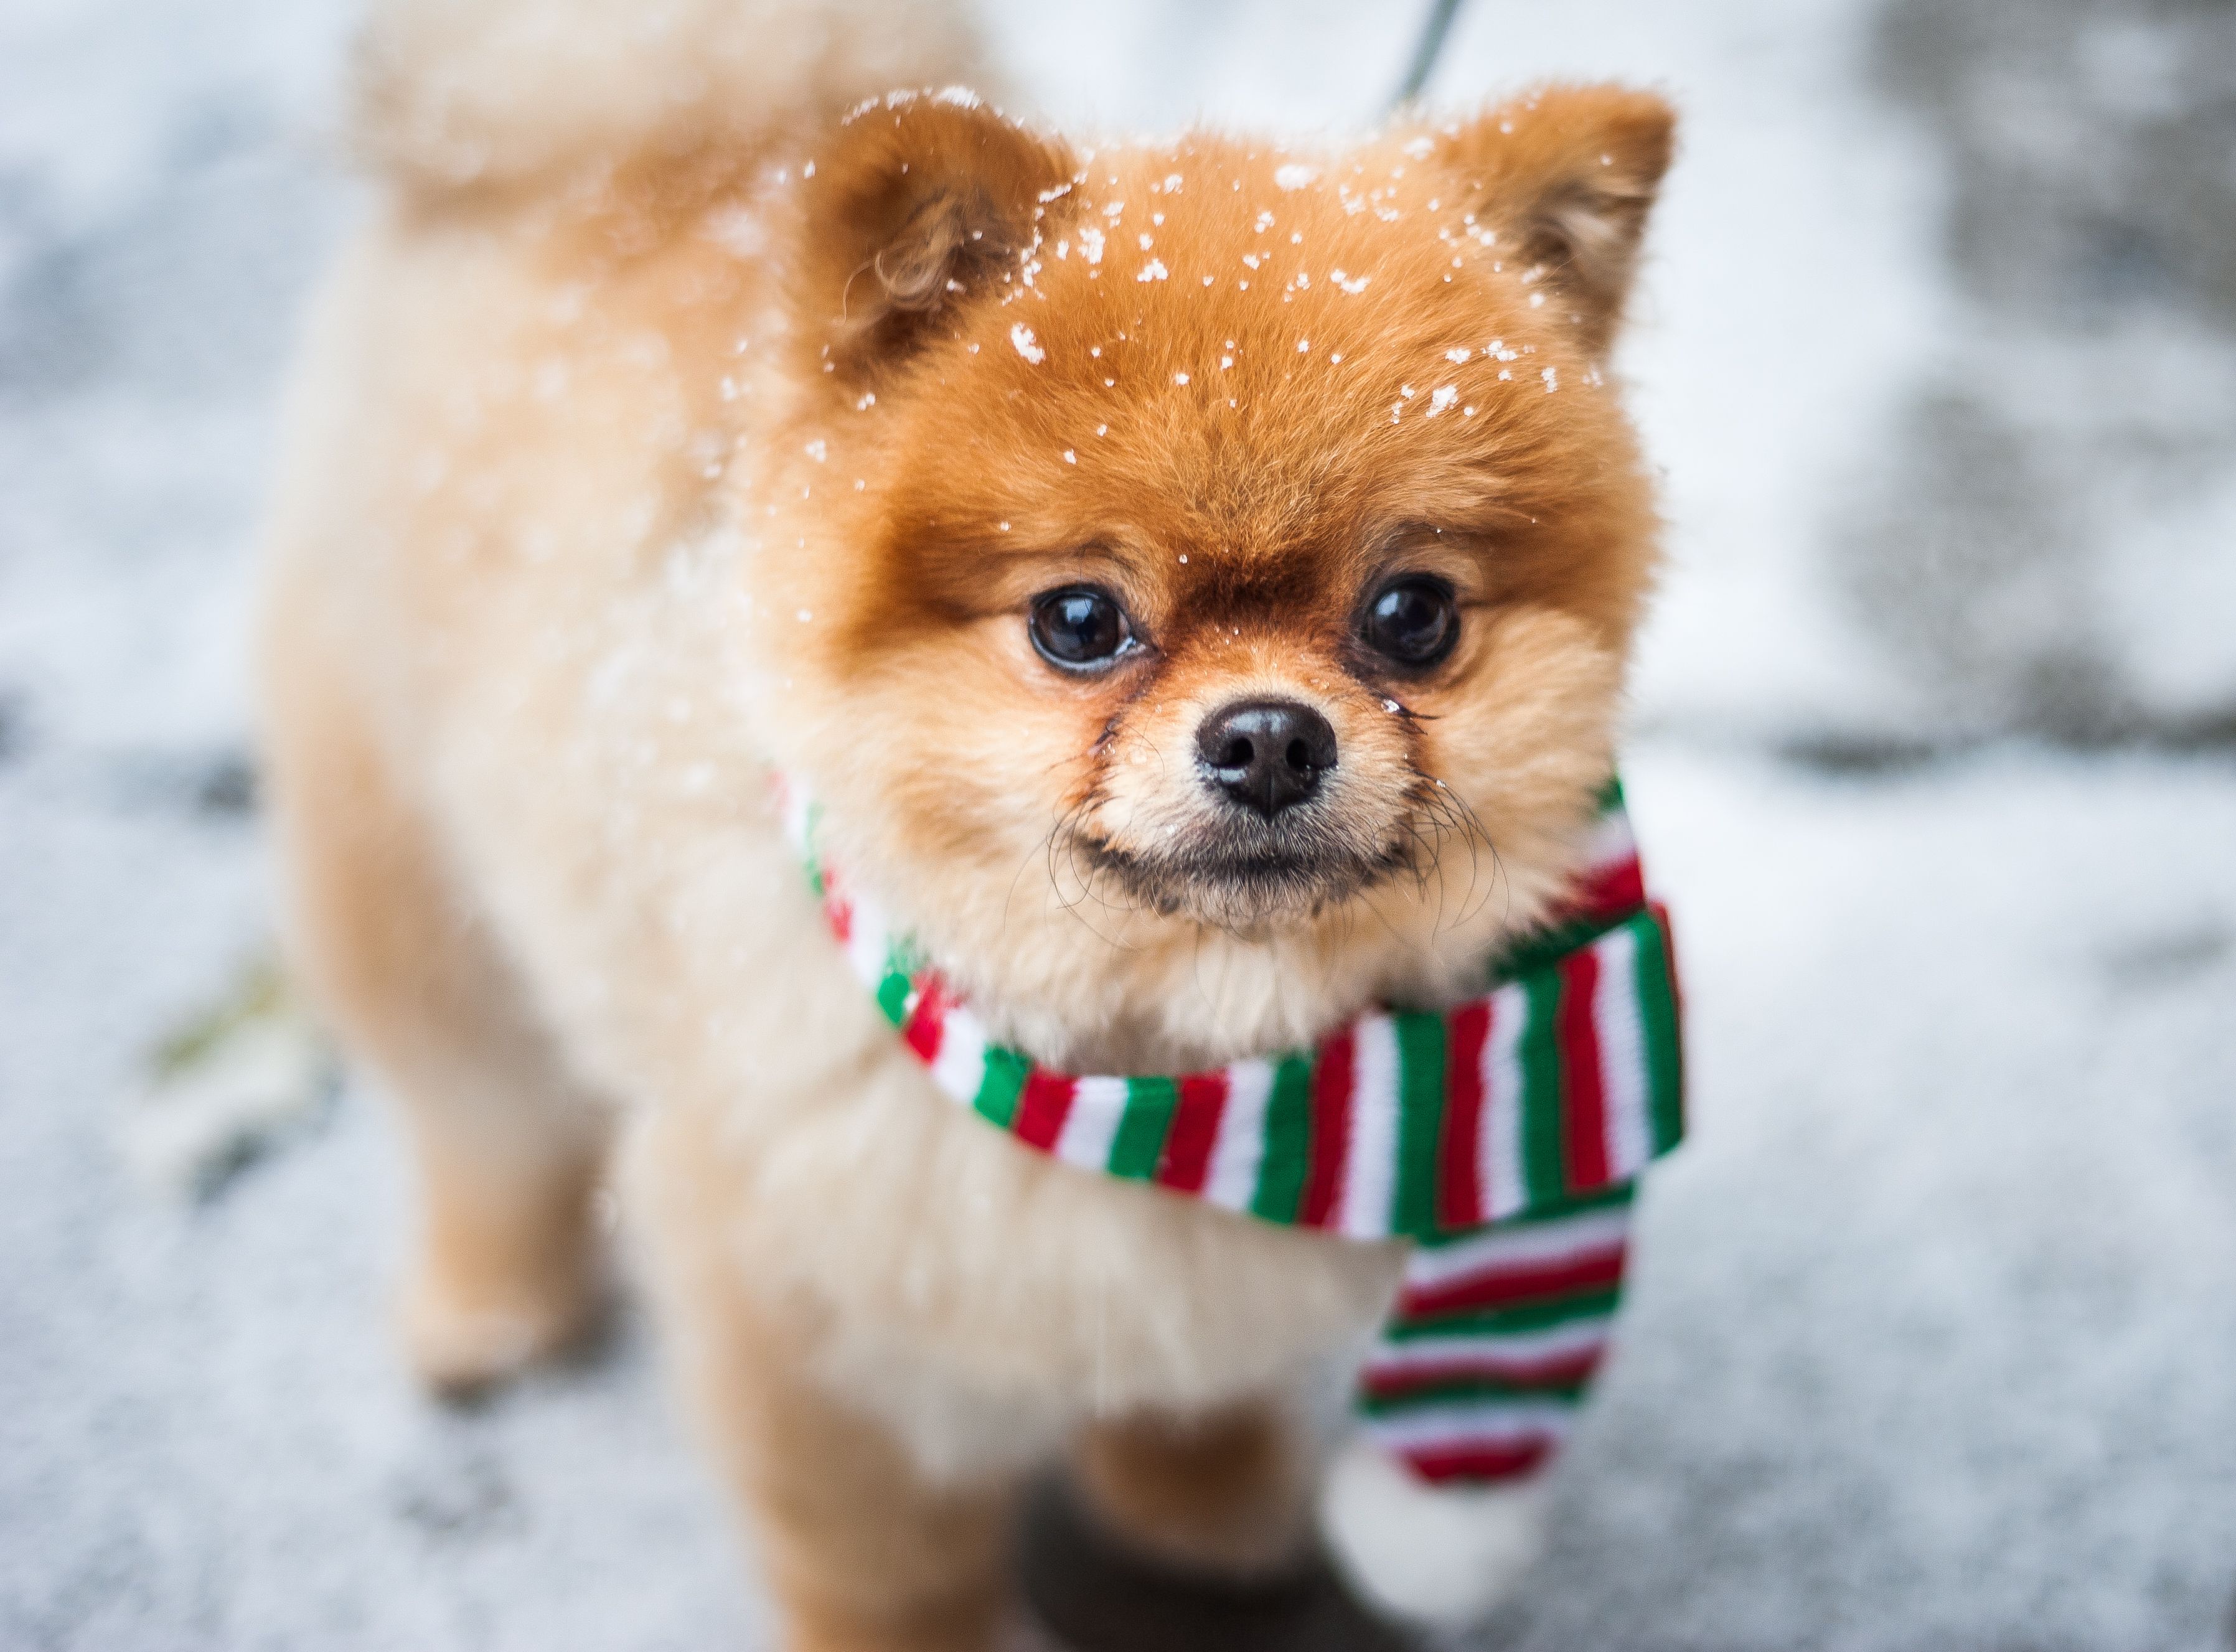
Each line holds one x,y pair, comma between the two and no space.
1242,884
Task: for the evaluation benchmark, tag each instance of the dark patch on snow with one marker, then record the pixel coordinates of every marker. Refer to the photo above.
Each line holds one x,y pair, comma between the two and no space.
218,786
463,1496
1846,752
221,1173
1878,753
2195,736
1097,1597
2154,962
226,786
14,735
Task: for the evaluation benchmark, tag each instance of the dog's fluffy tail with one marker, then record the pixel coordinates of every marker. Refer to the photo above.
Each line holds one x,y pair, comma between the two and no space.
452,94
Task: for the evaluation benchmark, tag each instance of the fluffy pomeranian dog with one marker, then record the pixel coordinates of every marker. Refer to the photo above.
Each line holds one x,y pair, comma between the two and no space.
1195,578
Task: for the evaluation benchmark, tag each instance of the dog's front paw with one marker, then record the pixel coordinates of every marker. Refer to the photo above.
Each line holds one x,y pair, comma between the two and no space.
1441,1555
464,1334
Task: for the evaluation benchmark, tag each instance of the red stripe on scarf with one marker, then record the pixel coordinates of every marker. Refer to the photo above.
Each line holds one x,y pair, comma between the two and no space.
1194,1132
837,911
1513,1285
927,1022
1553,1370
1616,890
1502,1462
1459,1180
1584,1117
1044,1107
1333,1076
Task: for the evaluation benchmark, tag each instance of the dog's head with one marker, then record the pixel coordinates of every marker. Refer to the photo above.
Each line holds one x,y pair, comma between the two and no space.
1251,537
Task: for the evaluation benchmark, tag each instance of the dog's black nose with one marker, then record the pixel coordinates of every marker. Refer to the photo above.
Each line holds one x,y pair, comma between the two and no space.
1265,754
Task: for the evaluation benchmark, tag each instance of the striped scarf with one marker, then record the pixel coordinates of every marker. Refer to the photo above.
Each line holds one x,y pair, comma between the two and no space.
1503,1136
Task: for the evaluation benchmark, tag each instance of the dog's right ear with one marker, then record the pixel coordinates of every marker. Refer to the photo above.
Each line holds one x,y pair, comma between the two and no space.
920,203
1569,173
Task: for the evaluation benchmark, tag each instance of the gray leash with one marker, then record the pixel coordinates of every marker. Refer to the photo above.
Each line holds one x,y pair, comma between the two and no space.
1441,13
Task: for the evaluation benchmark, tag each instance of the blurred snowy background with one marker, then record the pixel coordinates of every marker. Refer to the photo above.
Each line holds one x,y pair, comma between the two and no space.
1934,1336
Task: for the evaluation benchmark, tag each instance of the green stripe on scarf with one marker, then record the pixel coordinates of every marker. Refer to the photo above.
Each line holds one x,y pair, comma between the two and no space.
1544,1172
1288,1139
1141,1139
809,861
1002,1083
1420,1120
1657,1016
894,989
1469,1388
1541,1314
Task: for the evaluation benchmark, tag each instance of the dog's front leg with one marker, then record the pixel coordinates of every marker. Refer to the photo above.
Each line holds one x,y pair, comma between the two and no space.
1227,1494
863,1550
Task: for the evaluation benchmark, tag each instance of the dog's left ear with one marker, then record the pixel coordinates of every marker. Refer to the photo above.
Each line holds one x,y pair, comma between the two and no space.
1566,176
918,203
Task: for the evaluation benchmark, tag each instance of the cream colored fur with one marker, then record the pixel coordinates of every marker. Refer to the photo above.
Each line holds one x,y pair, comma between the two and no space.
456,92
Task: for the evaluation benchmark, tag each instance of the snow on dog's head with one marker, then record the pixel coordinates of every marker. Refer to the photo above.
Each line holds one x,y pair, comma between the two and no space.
1249,534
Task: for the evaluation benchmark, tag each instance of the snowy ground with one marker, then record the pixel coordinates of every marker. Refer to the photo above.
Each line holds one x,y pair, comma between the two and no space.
1933,1339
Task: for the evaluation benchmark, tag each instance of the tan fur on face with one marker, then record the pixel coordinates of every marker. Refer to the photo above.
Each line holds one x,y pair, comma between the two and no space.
1238,390
629,471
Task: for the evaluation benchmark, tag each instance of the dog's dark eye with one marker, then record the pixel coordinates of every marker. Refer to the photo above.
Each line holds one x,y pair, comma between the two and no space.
1412,621
1079,628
